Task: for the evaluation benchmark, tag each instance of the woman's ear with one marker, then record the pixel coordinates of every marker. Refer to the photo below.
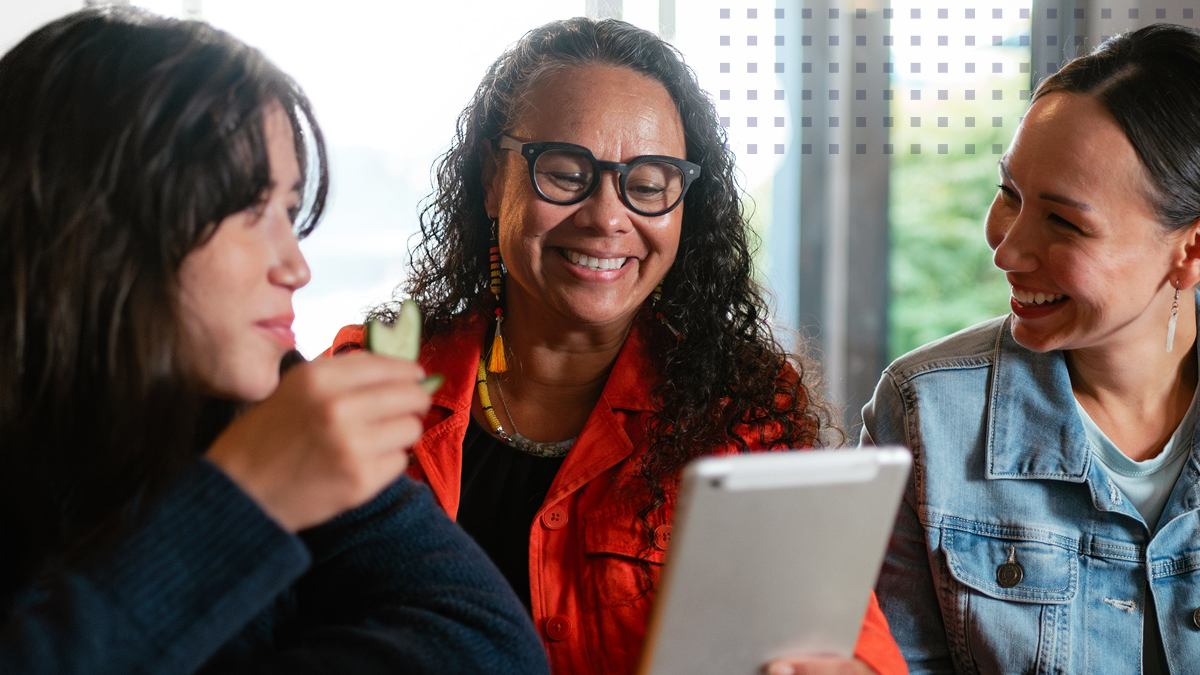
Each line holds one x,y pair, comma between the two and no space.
490,176
1189,264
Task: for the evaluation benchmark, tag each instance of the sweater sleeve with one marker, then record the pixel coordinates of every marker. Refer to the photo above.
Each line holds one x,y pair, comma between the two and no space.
395,587
165,596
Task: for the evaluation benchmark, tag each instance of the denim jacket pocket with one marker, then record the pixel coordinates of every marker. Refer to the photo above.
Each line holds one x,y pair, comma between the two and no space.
1012,602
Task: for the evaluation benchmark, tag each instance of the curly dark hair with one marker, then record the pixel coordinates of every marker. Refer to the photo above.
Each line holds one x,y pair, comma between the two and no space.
727,374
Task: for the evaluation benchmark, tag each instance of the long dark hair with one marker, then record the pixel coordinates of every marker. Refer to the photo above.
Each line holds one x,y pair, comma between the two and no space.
125,139
725,372
1147,80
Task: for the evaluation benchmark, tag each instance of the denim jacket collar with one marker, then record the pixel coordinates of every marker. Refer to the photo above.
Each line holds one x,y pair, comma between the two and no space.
1033,430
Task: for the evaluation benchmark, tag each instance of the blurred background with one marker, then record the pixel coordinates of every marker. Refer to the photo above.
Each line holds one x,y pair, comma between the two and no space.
866,134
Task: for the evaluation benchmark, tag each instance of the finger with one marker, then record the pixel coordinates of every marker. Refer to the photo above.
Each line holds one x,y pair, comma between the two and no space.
781,668
816,665
358,370
393,435
383,402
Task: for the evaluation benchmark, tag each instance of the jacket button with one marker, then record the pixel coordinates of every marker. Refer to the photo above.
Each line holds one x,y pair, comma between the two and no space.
1196,617
662,537
558,627
1009,574
555,518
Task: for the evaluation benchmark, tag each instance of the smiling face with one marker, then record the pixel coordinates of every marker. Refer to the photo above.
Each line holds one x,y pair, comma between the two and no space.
1075,232
595,262
236,289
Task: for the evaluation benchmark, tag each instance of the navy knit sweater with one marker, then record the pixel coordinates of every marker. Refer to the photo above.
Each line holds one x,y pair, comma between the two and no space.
209,583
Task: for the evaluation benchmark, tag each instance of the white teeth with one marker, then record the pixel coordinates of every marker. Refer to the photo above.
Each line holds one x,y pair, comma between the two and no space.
1029,298
594,263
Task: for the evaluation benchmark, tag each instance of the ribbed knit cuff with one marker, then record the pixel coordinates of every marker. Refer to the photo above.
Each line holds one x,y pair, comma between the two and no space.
205,561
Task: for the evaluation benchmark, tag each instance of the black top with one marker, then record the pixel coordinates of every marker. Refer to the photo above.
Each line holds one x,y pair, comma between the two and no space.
391,587
502,490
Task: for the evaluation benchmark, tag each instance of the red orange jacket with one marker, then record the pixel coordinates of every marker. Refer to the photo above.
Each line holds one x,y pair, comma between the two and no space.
586,541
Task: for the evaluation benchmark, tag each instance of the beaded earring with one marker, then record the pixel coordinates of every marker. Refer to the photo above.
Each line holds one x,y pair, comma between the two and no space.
655,297
497,363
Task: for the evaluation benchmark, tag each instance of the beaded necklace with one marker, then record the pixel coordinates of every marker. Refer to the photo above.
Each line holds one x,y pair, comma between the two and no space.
547,449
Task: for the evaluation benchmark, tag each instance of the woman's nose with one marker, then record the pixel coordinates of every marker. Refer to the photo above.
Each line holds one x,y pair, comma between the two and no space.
1011,242
291,269
603,210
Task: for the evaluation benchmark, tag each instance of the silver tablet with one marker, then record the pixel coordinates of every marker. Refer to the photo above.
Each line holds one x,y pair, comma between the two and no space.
772,555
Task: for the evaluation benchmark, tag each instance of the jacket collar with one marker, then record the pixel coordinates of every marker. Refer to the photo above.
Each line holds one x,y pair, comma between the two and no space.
634,375
1033,430
455,354
603,443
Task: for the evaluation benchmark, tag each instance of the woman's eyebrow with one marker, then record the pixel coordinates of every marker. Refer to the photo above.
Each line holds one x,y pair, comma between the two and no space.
297,187
1048,196
1066,201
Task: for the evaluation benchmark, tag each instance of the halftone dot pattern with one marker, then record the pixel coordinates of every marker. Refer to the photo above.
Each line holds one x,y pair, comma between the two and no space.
956,67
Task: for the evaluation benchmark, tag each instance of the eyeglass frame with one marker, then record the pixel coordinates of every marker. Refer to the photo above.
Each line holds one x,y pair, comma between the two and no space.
532,151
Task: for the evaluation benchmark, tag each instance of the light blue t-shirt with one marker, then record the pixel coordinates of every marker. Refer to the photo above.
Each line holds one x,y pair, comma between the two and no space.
1146,484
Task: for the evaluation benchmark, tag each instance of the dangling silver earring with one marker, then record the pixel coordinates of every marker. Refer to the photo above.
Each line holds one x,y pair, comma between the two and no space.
1174,319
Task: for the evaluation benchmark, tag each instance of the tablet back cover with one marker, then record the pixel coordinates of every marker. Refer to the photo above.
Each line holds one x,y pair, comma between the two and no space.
772,555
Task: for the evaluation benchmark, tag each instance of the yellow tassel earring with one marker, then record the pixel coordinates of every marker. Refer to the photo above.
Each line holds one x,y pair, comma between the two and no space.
497,363
655,297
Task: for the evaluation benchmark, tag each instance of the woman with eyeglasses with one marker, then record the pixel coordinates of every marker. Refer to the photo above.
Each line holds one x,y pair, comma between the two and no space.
586,277
152,520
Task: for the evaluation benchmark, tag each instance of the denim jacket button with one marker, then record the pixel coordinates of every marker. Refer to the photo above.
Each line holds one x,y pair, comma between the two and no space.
1196,617
1010,574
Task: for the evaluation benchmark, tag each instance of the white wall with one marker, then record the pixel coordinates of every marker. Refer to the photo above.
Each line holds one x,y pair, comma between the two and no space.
19,18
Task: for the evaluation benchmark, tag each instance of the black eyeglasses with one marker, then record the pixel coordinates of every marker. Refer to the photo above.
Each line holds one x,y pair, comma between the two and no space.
564,173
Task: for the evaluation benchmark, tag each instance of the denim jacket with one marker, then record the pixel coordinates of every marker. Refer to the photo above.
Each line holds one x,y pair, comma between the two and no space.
1003,473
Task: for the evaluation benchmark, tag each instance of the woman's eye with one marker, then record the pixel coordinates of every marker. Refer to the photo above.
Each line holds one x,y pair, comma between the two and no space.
1064,222
259,207
645,189
572,181
1008,192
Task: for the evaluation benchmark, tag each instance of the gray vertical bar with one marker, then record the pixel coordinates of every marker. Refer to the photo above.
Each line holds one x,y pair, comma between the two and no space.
782,241
814,171
844,243
867,284
838,191
604,9
666,19
1061,30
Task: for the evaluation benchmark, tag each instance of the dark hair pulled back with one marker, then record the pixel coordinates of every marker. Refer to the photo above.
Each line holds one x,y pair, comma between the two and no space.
726,371
1149,81
125,138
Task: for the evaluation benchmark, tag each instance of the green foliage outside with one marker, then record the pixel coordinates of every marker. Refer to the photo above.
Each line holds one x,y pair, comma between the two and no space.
942,276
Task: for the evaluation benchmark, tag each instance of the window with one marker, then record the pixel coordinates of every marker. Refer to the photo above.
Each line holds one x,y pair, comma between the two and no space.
388,80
